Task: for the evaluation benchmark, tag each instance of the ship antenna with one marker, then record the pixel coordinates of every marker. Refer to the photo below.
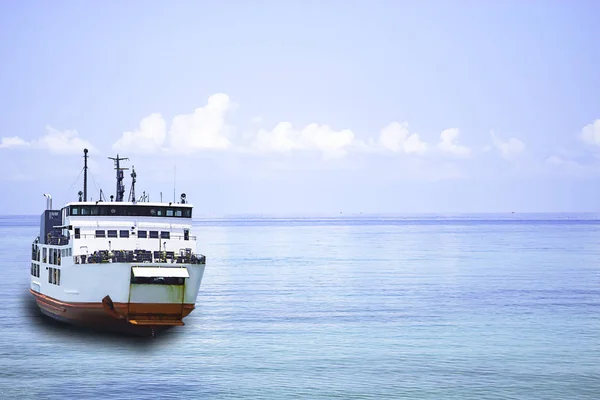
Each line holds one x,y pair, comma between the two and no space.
120,186
132,193
85,157
174,176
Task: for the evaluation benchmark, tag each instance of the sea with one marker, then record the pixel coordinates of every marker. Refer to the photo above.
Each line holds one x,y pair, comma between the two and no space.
486,306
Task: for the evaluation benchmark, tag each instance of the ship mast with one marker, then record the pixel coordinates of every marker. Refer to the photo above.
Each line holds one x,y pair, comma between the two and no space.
132,193
85,157
120,186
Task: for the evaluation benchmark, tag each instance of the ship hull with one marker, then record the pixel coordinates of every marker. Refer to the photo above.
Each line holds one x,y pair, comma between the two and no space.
158,316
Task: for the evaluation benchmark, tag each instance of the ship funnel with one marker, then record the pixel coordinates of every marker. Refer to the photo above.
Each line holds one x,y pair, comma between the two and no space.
48,201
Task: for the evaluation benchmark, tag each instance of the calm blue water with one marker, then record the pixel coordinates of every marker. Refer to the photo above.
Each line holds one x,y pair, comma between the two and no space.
420,307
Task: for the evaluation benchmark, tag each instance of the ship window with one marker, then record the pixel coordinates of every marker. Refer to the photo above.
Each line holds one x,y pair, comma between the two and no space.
154,234
54,276
142,234
77,233
124,234
130,210
165,235
112,233
100,233
186,234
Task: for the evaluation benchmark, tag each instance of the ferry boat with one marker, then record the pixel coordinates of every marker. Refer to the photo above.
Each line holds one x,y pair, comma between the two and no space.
129,266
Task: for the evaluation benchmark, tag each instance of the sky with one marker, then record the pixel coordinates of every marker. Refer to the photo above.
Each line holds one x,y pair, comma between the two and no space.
304,107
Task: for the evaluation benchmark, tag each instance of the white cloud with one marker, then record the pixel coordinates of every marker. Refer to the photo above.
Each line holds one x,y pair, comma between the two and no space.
447,143
590,134
205,128
14,141
148,138
257,120
284,138
59,142
555,160
509,148
397,138
62,142
567,167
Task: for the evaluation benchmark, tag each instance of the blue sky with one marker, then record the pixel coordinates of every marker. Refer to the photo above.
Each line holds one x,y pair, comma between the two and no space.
304,106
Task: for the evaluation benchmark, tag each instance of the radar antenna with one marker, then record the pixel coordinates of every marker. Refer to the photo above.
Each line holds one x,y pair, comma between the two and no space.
120,186
132,192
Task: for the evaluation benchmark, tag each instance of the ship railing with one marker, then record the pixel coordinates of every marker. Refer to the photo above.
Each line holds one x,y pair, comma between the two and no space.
58,240
140,256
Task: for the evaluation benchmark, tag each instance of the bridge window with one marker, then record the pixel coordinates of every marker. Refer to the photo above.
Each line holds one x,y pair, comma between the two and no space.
124,234
112,233
165,235
142,234
131,210
100,233
153,234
